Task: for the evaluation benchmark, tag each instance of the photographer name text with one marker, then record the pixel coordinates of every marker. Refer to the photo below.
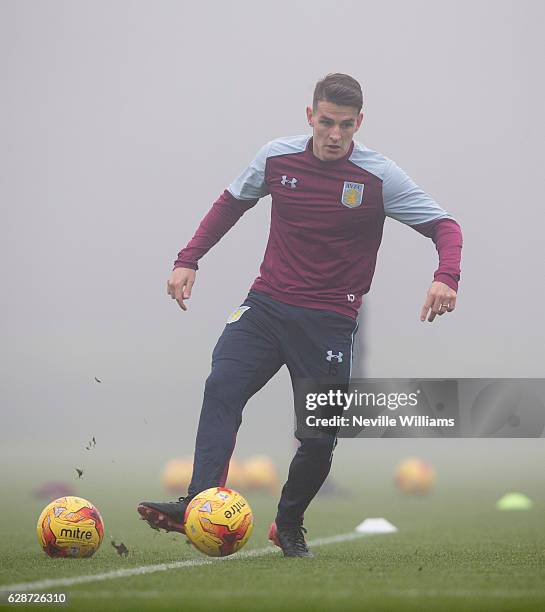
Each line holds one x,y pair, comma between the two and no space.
383,420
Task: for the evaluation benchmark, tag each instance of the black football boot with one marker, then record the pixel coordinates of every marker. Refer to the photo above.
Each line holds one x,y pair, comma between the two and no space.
290,539
169,516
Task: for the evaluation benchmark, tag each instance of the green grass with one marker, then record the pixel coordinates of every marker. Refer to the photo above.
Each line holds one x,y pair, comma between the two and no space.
453,551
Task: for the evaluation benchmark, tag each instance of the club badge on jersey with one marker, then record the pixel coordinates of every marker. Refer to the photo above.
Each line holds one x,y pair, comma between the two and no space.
236,314
352,194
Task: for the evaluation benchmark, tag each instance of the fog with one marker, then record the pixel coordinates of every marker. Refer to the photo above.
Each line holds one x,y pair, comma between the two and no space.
122,122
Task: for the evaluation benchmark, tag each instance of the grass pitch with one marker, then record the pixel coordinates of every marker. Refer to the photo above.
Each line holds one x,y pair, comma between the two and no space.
453,551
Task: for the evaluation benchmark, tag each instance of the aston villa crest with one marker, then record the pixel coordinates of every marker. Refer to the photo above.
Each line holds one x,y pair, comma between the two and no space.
352,194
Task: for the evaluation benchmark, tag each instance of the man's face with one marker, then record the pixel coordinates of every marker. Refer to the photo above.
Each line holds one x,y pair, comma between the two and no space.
333,128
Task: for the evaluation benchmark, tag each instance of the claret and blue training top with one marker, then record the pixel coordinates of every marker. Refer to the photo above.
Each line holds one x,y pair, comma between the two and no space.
327,219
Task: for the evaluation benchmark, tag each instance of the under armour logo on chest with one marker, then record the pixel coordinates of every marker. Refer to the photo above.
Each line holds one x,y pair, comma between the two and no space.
291,182
331,355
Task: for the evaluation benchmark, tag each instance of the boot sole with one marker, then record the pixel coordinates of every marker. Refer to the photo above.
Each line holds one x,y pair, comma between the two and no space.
157,520
273,535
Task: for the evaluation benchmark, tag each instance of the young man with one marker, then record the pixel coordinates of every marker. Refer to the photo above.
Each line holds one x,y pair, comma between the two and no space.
330,197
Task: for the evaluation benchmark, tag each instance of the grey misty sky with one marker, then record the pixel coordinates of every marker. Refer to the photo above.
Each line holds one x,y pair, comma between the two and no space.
122,122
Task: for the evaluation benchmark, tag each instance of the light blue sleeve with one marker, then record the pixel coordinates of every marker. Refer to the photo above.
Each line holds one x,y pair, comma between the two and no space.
405,201
251,185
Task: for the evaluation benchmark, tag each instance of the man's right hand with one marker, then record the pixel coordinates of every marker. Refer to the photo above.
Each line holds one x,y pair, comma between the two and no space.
179,285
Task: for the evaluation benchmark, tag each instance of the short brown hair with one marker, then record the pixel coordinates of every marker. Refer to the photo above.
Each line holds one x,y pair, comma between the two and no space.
339,89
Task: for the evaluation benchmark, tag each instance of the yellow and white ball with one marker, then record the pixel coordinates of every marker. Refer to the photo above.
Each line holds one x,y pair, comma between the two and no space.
70,527
219,522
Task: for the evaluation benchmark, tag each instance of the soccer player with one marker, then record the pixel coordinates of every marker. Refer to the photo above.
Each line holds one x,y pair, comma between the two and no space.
330,197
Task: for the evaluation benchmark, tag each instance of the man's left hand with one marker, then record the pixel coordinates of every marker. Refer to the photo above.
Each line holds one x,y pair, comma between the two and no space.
440,299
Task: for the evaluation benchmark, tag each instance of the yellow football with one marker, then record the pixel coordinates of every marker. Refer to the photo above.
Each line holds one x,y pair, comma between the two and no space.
218,522
261,473
176,475
70,527
415,476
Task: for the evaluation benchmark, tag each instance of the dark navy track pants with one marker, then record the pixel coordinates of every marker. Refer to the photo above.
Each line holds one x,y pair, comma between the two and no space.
266,335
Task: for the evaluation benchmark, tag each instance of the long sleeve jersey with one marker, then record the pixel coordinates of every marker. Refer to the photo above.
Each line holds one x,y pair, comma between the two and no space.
327,220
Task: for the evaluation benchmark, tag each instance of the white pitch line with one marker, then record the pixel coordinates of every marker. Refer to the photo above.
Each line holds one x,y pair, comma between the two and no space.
162,567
